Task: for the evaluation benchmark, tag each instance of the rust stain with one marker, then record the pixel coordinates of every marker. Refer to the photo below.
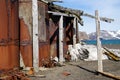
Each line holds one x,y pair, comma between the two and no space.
25,44
9,35
44,54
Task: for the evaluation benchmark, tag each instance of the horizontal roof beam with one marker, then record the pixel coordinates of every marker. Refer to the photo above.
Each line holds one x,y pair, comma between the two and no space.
61,14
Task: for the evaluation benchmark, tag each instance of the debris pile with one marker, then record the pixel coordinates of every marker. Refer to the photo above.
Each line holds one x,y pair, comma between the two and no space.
14,74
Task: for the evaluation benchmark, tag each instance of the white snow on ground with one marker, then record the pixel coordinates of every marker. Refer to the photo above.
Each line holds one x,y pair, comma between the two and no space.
84,52
93,53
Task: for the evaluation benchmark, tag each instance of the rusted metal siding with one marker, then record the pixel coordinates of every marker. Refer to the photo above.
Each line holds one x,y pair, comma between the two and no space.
9,34
44,48
41,22
25,14
44,55
25,44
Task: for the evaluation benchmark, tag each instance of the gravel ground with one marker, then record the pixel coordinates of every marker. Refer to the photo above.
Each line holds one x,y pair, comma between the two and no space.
80,70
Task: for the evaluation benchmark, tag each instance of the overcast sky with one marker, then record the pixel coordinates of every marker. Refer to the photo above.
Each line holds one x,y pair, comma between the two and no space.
106,8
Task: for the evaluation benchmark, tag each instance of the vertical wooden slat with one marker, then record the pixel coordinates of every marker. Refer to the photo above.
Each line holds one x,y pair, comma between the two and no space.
99,52
74,32
35,36
61,39
77,31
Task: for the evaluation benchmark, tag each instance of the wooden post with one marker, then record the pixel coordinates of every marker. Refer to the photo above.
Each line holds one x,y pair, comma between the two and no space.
99,51
77,31
61,39
35,36
74,32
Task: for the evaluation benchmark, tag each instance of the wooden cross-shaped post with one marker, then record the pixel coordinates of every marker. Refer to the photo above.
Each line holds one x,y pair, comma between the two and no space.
99,51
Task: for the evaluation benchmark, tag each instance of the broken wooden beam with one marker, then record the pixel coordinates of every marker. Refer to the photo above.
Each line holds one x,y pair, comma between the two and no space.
111,54
109,75
109,20
68,11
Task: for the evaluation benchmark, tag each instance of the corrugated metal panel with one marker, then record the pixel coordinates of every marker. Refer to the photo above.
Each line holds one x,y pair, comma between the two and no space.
25,44
9,34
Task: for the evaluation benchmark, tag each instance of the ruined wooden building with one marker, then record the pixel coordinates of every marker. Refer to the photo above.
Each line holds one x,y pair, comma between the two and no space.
57,27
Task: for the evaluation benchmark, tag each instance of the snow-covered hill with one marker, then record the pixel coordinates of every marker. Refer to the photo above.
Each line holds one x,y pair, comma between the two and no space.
106,35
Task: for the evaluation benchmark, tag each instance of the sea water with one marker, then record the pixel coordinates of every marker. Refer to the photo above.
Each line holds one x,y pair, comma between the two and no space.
104,42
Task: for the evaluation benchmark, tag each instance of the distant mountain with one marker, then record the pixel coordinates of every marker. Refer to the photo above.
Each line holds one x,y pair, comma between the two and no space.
83,35
105,35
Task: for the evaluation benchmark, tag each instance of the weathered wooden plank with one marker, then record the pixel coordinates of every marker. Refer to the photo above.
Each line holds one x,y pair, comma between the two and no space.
75,12
74,32
110,75
109,20
61,39
99,51
35,36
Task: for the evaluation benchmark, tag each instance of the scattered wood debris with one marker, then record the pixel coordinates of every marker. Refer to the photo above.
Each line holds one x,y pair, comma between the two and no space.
14,74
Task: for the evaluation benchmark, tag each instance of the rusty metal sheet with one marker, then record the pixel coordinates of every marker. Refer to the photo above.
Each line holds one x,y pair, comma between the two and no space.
25,15
44,54
9,35
25,44
44,46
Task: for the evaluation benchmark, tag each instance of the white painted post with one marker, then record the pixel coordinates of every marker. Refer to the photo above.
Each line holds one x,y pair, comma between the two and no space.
99,51
61,39
35,36
74,32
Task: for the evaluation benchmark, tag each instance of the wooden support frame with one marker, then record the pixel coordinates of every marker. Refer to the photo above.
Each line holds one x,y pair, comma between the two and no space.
35,36
61,39
99,51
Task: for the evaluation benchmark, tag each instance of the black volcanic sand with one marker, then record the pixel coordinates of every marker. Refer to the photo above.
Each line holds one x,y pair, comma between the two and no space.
80,70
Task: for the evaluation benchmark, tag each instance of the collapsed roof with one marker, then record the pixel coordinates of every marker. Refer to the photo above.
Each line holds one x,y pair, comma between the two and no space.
57,8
